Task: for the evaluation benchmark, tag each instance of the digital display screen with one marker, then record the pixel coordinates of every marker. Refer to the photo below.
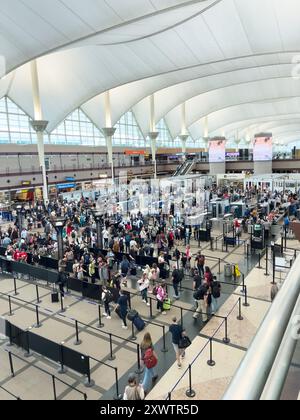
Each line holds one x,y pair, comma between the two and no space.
217,151
262,149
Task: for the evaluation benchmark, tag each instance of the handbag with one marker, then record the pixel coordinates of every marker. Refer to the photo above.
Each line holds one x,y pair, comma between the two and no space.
184,342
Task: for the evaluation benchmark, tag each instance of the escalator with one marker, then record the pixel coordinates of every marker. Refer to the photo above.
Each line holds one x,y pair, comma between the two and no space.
185,168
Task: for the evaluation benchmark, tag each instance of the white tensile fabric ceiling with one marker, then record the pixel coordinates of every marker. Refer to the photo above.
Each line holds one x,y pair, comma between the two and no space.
230,60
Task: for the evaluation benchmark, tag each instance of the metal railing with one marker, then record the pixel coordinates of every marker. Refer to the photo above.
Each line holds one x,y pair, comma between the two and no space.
263,350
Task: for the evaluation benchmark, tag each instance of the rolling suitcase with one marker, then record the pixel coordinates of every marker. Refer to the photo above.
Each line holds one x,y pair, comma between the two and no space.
132,315
54,297
139,323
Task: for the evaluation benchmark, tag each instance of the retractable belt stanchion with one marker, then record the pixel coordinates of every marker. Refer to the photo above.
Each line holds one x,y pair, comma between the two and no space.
139,370
211,362
78,341
54,388
226,339
267,262
190,392
240,317
10,308
38,324
111,357
37,295
117,397
100,324
164,349
15,286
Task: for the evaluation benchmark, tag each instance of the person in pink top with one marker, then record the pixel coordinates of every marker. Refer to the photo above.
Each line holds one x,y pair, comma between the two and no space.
161,295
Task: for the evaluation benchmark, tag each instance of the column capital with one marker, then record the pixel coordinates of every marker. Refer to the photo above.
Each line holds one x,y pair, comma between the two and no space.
109,131
153,135
184,137
39,126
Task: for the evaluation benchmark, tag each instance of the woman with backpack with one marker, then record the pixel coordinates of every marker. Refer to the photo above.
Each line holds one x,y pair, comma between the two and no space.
150,360
107,298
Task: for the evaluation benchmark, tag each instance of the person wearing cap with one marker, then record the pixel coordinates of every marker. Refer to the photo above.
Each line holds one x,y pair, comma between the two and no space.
133,391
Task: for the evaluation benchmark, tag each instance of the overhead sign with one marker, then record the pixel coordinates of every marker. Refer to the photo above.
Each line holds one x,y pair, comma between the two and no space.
134,152
65,186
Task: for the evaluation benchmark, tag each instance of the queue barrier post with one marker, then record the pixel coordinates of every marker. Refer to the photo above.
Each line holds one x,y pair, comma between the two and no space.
38,323
190,393
219,266
10,344
246,303
15,287
181,316
38,300
139,370
11,364
62,369
89,383
211,362
54,388
151,310
226,339
243,283
267,262
10,307
259,260
100,323
133,336
62,309
111,357
78,341
240,317
117,397
28,353
164,349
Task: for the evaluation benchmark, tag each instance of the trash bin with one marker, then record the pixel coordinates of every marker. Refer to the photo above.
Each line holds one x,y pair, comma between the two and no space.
228,270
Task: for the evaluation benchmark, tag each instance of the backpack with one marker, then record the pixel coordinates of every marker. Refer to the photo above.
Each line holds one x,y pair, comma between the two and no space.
150,360
108,297
216,290
200,293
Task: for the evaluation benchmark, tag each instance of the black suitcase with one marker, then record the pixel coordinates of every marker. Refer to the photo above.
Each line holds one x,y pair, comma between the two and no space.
54,297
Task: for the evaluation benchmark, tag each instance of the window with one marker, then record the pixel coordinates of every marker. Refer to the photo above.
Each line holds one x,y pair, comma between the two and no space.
128,132
77,130
164,139
15,124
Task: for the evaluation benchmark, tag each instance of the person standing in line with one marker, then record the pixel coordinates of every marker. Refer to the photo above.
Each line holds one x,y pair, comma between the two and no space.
133,391
177,278
176,330
105,236
107,298
161,295
215,295
144,284
61,282
201,296
149,358
200,263
122,309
